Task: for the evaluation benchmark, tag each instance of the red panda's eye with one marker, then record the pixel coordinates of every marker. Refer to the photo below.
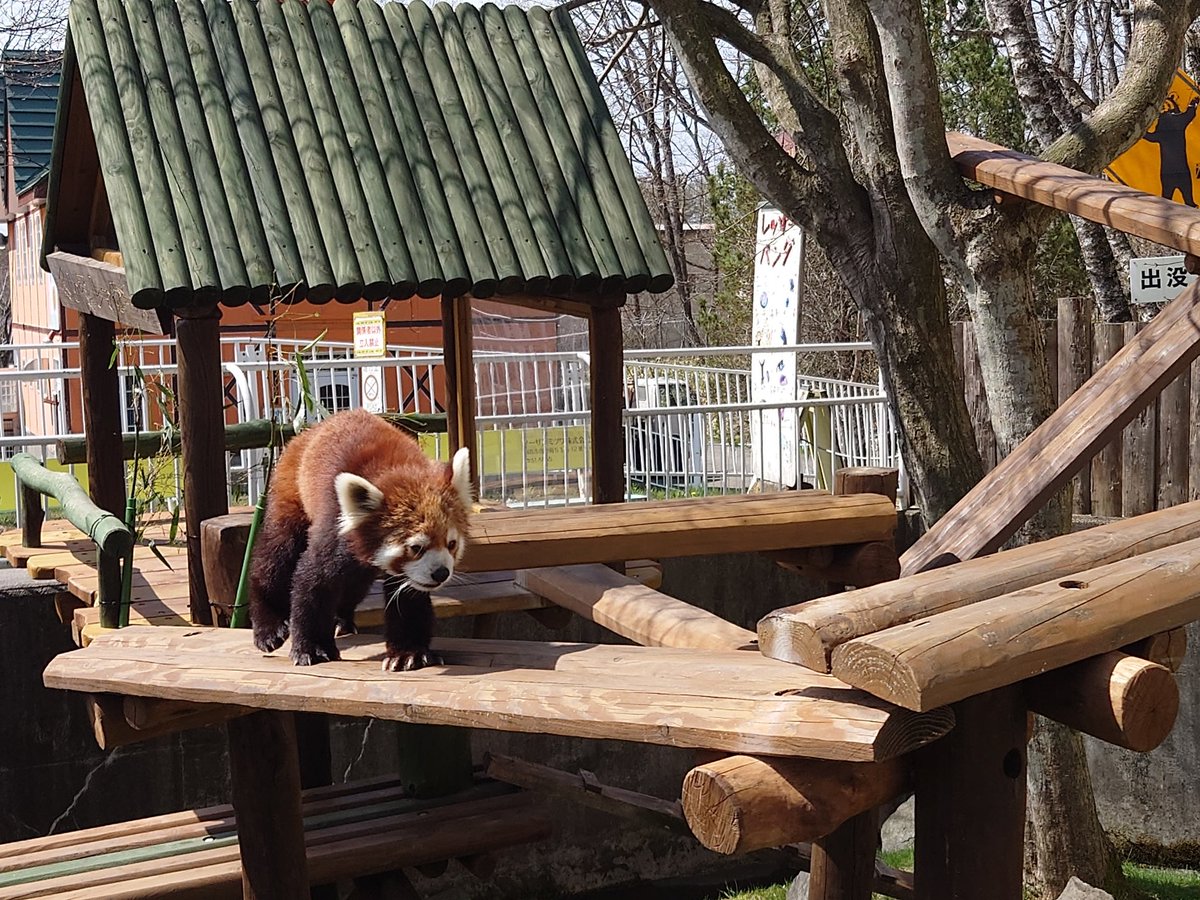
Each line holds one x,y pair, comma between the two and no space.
417,551
452,546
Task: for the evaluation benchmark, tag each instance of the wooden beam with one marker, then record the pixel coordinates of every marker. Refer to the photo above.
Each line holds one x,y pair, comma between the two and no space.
843,861
997,642
99,289
807,633
970,803
121,721
1117,698
741,803
1077,193
266,799
607,351
625,607
103,413
458,347
202,427
996,507
1168,648
584,789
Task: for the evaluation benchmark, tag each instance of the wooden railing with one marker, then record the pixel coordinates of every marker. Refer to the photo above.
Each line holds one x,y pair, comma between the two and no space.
113,540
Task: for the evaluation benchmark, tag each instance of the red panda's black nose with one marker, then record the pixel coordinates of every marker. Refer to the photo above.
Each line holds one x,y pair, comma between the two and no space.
440,574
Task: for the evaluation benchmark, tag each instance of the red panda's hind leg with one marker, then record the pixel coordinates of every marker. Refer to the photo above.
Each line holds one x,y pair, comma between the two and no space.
277,549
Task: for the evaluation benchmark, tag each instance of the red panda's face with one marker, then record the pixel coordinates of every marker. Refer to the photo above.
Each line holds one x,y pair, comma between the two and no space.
413,527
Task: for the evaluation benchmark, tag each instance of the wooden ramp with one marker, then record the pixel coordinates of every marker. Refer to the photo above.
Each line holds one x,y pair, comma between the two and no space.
731,701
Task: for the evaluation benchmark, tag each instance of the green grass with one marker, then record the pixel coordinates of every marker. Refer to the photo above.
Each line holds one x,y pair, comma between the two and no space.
1164,884
1147,882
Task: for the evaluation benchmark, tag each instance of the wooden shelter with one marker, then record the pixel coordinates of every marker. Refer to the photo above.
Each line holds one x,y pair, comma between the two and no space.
270,152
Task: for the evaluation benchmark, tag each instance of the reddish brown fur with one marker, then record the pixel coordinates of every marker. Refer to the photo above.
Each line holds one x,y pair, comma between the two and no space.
305,573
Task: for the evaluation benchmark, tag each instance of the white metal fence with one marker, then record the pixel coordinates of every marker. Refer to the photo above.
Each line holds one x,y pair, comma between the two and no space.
690,425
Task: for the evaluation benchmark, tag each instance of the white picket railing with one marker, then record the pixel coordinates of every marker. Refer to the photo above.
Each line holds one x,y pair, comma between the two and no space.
690,424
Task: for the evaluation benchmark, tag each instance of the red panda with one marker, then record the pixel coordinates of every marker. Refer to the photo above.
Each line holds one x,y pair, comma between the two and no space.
350,499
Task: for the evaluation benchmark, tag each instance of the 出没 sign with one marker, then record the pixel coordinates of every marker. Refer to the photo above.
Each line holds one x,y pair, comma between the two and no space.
1157,279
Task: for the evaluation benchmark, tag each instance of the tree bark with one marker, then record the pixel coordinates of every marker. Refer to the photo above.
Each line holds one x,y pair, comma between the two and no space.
1099,256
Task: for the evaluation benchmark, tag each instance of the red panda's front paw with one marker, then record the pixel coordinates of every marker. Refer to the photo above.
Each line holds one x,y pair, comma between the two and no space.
311,656
410,660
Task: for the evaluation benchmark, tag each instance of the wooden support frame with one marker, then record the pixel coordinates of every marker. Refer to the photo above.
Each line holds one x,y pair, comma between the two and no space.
606,347
98,288
458,347
266,799
970,810
102,413
202,427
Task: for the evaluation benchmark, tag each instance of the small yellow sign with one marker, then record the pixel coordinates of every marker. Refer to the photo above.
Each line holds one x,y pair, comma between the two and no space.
1166,161
370,335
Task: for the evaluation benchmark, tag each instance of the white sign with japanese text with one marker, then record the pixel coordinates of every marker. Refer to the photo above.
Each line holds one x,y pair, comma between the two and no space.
1157,279
778,265
370,342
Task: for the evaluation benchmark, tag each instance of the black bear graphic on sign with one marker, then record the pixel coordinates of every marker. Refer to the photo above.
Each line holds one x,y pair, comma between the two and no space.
1170,133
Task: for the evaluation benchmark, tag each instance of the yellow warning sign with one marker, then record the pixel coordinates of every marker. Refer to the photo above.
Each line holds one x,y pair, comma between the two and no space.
1166,161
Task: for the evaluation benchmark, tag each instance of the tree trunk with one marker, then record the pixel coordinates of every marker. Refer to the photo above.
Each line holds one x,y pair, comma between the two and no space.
1112,294
1013,362
1060,791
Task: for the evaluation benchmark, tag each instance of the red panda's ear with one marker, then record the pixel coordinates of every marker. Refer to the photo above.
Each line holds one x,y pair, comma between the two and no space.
358,499
459,472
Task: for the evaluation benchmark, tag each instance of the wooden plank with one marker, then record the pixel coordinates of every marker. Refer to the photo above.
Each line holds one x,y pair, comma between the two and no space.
1088,196
202,427
970,806
732,701
1138,454
99,289
997,642
350,847
622,605
808,632
18,554
1108,338
607,387
996,507
1074,344
70,562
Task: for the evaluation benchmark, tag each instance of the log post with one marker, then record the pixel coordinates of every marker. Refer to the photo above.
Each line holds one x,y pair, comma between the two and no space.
102,413
1074,368
266,800
202,427
970,810
607,349
843,862
458,346
33,514
741,803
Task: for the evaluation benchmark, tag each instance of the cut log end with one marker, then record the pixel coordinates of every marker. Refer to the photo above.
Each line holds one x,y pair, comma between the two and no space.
743,803
785,638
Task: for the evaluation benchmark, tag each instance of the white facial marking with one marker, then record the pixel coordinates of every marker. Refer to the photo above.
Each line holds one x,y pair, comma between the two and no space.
420,572
357,498
387,554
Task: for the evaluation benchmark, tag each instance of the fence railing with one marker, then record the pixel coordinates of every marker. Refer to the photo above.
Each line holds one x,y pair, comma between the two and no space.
690,424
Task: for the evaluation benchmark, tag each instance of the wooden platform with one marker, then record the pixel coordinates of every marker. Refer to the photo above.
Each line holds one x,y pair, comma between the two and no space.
349,830
737,701
788,520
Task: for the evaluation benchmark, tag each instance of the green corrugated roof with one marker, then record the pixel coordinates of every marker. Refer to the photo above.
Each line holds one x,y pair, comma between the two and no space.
28,94
356,150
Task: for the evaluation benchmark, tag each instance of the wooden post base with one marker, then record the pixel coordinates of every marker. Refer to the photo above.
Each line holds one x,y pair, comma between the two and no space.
266,799
970,810
843,862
